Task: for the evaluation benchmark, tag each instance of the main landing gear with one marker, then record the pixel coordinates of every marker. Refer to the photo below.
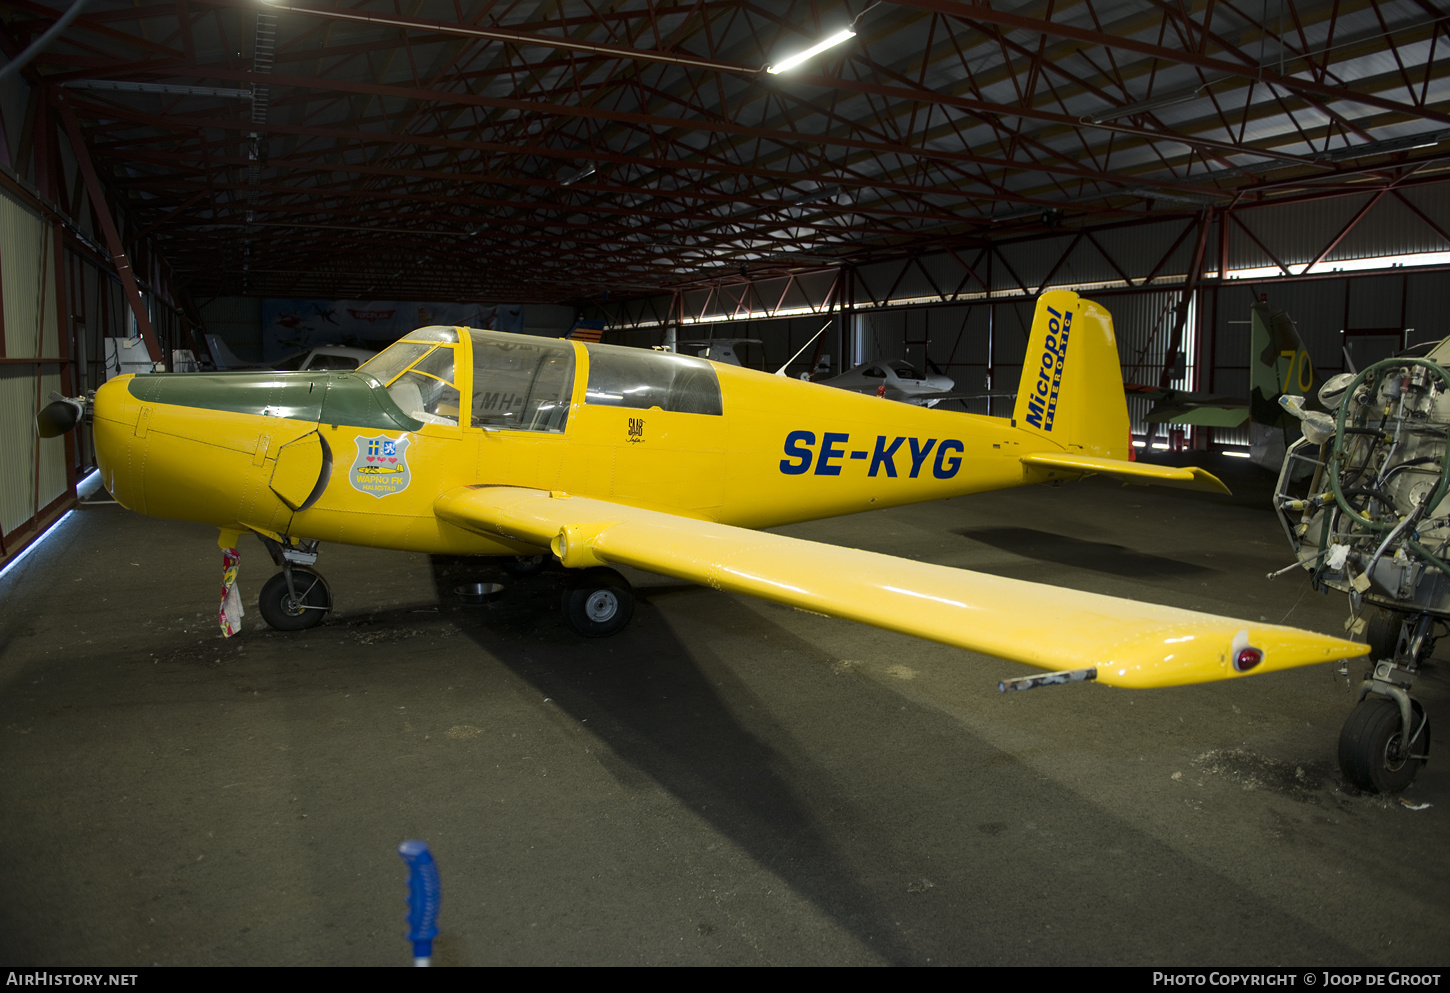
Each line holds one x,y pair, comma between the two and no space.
296,598
1386,739
598,602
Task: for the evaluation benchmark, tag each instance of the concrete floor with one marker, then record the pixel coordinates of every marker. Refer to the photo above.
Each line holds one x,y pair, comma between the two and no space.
725,783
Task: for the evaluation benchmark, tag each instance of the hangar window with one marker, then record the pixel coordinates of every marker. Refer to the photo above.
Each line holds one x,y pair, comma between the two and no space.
633,377
520,382
418,372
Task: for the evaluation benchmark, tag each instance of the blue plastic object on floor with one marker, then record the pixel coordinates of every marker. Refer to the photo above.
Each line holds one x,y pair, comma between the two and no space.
424,893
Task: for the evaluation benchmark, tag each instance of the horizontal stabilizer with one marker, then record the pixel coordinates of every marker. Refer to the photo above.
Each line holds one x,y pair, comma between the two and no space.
1129,472
1129,643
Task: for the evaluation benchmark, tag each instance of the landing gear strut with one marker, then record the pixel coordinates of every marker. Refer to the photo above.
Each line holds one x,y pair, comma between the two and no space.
1386,739
296,598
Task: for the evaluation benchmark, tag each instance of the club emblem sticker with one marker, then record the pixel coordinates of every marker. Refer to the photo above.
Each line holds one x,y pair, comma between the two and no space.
381,466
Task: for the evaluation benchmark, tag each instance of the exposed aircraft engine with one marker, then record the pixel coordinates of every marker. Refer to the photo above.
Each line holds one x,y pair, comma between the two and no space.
1375,523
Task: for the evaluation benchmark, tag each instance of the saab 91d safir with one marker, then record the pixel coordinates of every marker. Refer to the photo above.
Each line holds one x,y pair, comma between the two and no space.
470,442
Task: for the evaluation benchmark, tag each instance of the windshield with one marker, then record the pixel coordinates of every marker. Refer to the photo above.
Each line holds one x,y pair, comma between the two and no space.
418,372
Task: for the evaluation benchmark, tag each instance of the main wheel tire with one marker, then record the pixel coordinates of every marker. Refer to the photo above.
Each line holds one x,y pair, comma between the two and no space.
598,603
1382,634
1369,746
284,613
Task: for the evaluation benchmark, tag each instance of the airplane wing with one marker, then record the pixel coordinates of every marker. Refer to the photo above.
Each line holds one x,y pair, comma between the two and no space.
1130,644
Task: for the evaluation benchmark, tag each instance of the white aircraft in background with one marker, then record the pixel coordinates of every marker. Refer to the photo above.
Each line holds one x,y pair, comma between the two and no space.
337,357
894,379
718,349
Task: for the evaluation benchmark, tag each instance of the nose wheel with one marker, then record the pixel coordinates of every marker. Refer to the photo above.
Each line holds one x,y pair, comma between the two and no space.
1386,739
1374,752
297,604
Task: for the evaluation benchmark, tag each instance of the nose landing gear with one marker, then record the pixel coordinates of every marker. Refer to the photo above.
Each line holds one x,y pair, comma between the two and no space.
296,598
294,602
1386,739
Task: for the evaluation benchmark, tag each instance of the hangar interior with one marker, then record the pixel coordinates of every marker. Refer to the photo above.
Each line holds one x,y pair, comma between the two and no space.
726,782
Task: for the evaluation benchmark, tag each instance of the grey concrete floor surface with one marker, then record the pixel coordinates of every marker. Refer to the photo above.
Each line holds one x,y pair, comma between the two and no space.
727,782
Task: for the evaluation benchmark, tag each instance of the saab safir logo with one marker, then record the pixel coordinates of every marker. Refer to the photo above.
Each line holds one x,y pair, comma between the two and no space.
381,466
1042,403
636,429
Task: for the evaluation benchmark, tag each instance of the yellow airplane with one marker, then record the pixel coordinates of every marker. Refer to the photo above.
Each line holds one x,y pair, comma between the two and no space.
467,442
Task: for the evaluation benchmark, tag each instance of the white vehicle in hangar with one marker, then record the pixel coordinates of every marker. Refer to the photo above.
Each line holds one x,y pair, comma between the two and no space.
1374,523
895,379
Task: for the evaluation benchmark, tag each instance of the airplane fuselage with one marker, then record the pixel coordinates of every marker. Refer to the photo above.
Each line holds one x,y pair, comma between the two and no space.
330,456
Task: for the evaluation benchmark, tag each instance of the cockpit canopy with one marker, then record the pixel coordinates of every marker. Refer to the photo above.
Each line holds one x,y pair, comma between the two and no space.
524,383
633,377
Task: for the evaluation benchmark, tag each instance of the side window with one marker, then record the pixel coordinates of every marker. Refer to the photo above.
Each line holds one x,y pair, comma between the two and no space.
520,382
633,377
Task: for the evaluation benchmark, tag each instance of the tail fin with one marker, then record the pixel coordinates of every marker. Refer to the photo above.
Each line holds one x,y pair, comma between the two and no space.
222,356
1072,384
1278,362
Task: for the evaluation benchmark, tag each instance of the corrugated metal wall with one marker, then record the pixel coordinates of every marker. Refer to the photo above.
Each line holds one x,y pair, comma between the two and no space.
35,475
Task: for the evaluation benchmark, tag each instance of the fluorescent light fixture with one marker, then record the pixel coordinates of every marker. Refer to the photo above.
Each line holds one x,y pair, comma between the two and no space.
824,193
1406,143
783,65
584,173
127,86
36,543
1236,453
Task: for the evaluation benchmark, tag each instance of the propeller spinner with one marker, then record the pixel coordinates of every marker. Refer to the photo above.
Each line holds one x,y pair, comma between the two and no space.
60,415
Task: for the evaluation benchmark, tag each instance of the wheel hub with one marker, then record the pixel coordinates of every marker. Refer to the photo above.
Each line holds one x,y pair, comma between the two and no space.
1395,757
601,606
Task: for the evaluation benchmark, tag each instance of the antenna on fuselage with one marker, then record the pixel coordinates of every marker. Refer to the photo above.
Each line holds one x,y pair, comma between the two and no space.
781,370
